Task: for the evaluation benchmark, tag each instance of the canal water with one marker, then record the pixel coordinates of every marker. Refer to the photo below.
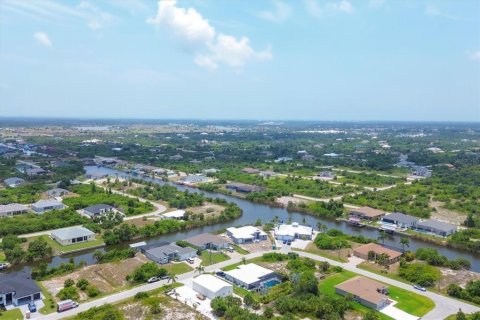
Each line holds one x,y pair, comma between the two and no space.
252,212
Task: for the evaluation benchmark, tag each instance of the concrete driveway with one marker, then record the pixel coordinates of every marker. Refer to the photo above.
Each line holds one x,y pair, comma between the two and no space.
396,313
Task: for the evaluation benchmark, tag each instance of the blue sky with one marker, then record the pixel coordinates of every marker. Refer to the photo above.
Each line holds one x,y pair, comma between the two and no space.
236,59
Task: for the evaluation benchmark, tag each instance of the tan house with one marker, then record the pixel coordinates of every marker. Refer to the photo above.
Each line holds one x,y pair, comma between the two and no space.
367,213
362,252
365,291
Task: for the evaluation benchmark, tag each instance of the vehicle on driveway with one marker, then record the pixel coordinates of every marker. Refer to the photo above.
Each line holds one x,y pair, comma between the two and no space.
190,260
32,307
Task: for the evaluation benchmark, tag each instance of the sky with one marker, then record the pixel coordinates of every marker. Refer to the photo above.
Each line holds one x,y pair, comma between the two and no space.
403,60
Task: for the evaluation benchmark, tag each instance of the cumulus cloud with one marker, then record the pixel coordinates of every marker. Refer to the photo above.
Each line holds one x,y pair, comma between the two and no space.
316,10
96,18
280,12
42,38
209,47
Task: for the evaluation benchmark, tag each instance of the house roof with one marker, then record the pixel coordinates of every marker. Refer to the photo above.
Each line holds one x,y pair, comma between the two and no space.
438,225
47,203
177,214
245,232
364,288
400,217
96,208
72,232
210,282
378,249
369,212
249,273
12,207
168,249
292,229
14,180
57,190
19,282
206,238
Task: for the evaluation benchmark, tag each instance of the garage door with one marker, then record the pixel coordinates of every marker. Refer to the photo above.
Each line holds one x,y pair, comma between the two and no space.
24,300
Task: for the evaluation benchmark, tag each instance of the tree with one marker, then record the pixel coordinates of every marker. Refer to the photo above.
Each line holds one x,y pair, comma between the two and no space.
172,278
371,255
38,249
321,227
258,223
82,283
200,269
244,260
371,315
469,221
15,255
68,283
460,315
268,313
382,235
404,242
248,299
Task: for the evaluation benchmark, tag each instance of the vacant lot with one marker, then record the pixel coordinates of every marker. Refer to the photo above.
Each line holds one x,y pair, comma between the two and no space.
208,209
106,277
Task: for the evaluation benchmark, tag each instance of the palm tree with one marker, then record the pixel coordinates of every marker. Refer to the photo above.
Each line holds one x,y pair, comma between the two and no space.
200,269
322,227
404,242
172,277
244,260
382,236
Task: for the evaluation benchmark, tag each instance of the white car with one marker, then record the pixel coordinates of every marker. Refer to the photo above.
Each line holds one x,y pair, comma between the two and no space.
416,286
153,279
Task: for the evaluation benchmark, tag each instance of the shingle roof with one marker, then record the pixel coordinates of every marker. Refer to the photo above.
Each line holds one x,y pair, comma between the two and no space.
72,232
95,209
19,282
168,249
47,203
435,224
364,288
369,212
378,249
12,207
14,180
206,238
400,217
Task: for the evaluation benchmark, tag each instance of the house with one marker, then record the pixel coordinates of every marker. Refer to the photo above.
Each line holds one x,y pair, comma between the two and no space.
290,232
57,192
308,157
210,171
362,252
13,182
177,215
250,170
250,276
47,205
283,159
326,175
72,235
400,220
165,252
211,286
36,172
367,213
436,227
194,179
208,241
366,291
244,188
268,174
246,234
17,289
97,210
12,209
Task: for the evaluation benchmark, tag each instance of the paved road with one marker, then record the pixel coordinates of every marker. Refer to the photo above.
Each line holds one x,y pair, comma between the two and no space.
444,306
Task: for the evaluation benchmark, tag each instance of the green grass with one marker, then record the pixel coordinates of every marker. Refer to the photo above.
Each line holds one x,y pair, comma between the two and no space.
240,249
243,292
233,266
178,268
78,246
14,314
50,305
2,257
216,257
329,254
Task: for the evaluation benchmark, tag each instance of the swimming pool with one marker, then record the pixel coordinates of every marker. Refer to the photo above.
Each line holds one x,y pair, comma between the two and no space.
271,283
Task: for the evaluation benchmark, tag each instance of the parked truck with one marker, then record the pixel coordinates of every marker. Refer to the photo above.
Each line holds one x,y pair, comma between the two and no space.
66,305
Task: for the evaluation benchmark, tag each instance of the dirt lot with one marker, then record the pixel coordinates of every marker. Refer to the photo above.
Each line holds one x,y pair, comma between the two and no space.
106,277
446,215
171,310
460,277
257,247
286,199
207,206
140,222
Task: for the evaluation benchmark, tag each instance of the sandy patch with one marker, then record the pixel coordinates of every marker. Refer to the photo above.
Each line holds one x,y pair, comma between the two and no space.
446,215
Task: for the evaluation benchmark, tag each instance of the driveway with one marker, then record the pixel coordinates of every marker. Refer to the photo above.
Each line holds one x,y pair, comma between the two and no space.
396,313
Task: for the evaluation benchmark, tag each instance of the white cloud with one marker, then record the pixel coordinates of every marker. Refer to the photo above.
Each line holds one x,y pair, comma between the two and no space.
376,3
280,12
475,56
42,38
210,48
316,10
433,11
96,18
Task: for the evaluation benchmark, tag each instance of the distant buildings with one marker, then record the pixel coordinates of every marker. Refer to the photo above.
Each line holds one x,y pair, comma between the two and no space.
14,182
46,205
326,175
250,276
72,235
211,286
97,210
436,227
57,192
362,252
290,232
243,188
177,215
367,213
250,170
12,209
366,291
246,234
283,159
190,179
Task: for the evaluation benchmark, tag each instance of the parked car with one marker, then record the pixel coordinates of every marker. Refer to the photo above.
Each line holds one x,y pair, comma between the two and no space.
32,307
190,260
153,279
416,286
230,249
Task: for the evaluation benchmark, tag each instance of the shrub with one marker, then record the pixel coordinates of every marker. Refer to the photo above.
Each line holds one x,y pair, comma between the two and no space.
141,295
68,293
92,291
68,283
82,284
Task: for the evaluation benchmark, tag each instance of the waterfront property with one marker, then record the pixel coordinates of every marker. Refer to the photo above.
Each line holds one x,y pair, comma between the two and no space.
365,291
436,227
290,232
17,289
250,276
191,179
46,205
367,213
14,182
246,234
12,209
243,188
165,252
400,220
177,215
208,241
362,252
97,210
72,235
211,286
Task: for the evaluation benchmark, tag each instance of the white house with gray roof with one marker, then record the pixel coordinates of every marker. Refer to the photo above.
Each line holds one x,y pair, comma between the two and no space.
46,205
12,209
400,220
97,210
436,227
165,252
14,182
18,289
72,235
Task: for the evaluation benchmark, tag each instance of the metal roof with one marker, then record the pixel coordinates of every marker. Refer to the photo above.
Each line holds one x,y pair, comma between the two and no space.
72,232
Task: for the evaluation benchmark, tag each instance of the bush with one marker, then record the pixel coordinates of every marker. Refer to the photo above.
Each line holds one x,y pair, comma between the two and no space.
82,284
68,283
141,295
420,274
92,291
68,293
146,271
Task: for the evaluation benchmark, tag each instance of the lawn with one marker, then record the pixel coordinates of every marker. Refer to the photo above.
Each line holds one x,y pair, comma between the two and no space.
178,268
329,254
50,305
233,266
2,256
78,246
240,249
214,258
14,314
